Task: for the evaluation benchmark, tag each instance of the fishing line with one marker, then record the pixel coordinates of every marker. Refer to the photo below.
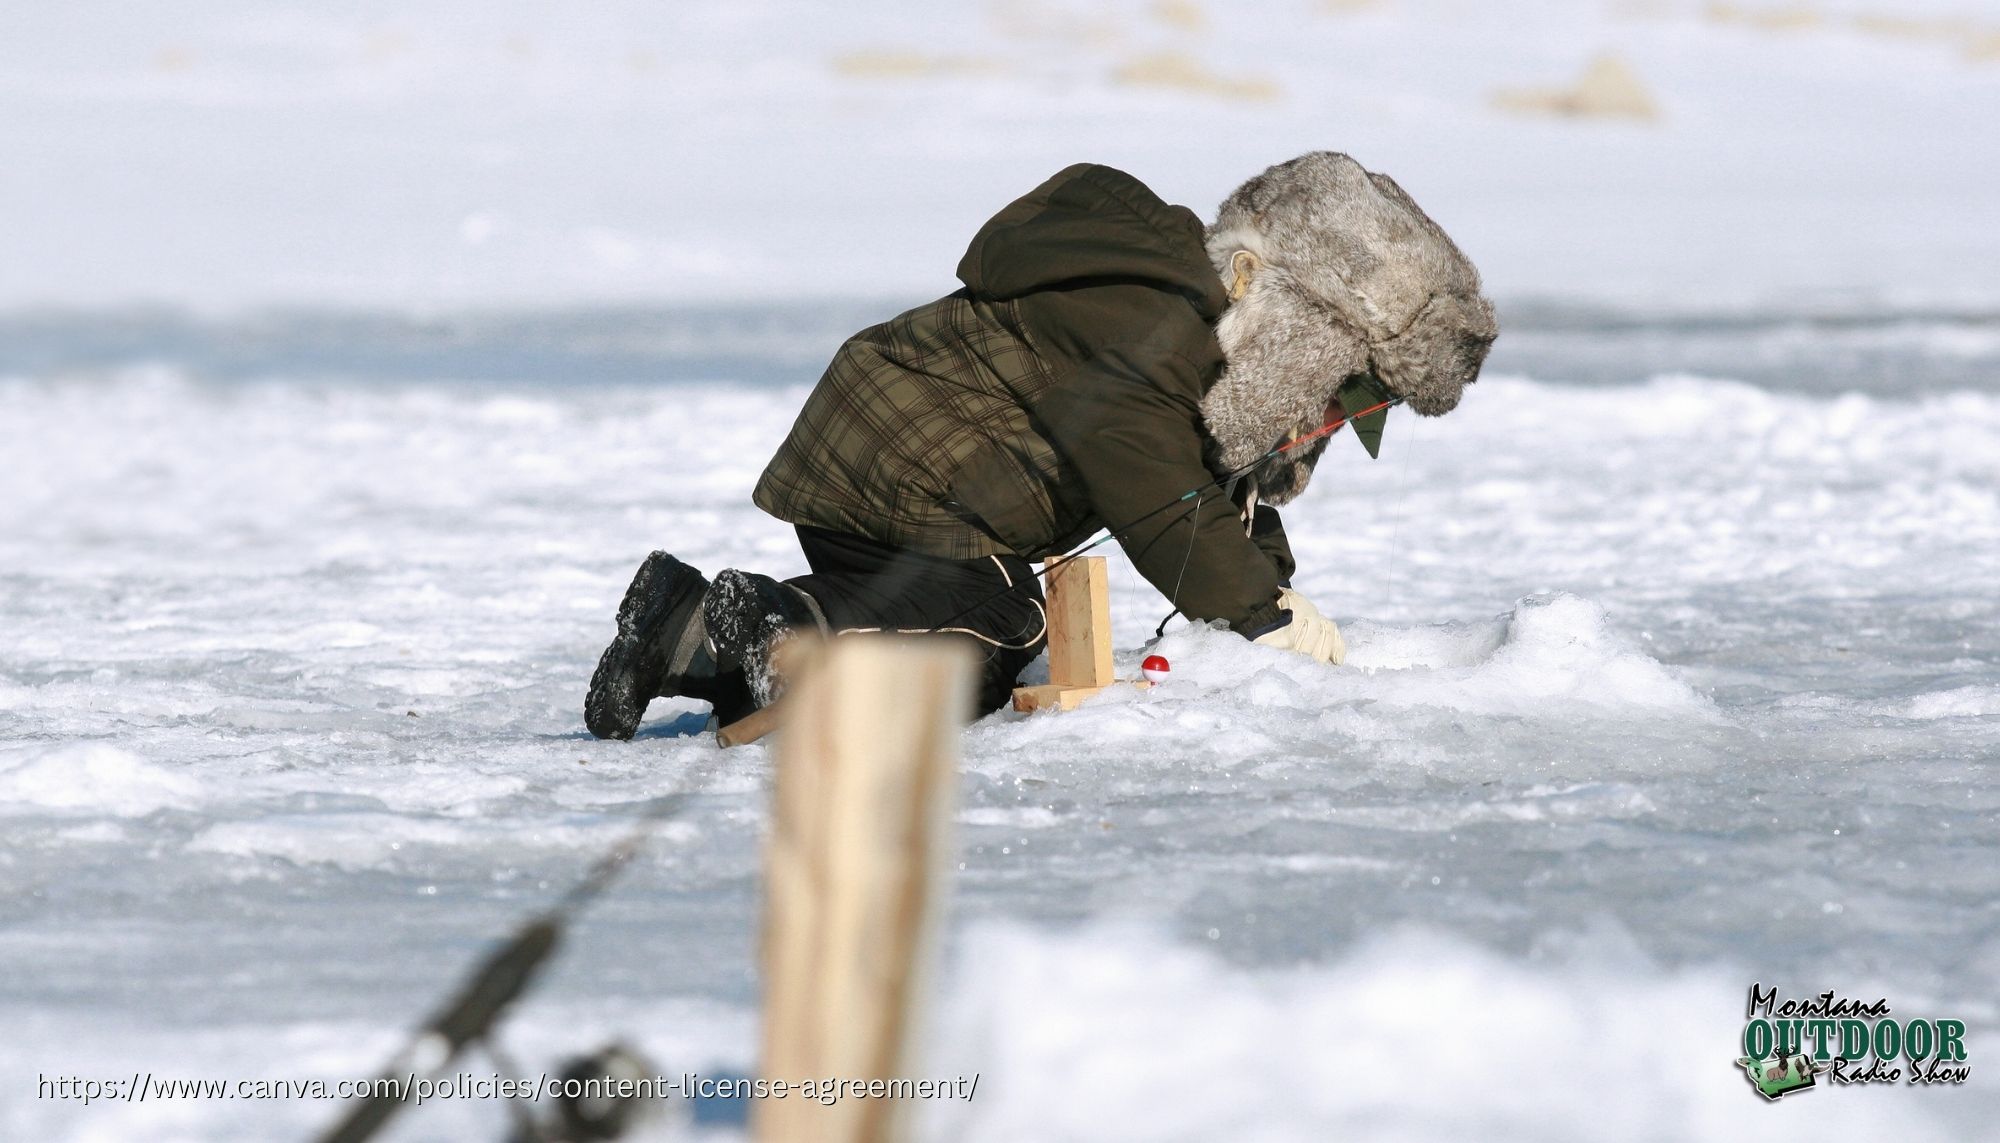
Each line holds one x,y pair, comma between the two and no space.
1175,596
1402,494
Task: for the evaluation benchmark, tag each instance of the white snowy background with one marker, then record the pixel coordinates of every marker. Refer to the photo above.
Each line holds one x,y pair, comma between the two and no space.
351,356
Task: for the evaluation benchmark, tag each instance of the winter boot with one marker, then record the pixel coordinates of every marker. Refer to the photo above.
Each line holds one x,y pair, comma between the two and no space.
746,615
660,649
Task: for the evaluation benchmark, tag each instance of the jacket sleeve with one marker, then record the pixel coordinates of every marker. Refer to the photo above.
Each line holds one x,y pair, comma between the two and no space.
1128,422
1267,531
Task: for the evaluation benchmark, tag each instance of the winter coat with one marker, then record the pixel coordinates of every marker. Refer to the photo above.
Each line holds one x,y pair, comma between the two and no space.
1056,394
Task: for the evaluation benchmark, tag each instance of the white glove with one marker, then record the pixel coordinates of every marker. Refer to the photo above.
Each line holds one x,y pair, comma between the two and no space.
1295,603
1309,633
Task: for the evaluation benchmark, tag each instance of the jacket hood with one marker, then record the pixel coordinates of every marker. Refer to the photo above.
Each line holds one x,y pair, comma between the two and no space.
1092,222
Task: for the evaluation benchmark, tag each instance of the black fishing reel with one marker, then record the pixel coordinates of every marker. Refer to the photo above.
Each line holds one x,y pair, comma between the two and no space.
605,1095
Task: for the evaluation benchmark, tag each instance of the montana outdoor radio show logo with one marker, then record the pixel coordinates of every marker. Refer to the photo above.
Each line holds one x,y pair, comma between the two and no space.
1788,1045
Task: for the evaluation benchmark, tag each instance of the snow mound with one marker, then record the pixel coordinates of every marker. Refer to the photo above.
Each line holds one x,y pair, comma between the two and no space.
1959,702
1114,1032
1553,656
90,776
1549,692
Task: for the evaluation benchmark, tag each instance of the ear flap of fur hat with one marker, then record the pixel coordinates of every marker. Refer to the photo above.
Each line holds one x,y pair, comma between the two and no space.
1359,247
1286,358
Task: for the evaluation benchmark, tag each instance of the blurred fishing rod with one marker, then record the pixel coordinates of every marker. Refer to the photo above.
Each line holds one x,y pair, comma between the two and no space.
470,1016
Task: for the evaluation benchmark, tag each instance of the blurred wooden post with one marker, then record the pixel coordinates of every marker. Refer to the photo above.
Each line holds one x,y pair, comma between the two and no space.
855,873
1079,610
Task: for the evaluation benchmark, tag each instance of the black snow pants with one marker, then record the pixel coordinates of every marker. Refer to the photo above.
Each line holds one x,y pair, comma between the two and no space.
862,585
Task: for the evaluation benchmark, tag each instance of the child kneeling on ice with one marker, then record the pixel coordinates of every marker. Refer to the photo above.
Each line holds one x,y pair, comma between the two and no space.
1108,354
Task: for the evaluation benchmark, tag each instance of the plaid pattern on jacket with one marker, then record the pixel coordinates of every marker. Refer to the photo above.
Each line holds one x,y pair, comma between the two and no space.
904,408
1056,394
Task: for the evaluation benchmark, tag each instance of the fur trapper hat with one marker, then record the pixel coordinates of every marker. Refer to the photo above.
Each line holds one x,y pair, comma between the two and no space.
1346,278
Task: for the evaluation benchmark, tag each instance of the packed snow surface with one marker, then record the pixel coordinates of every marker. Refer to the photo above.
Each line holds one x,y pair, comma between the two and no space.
1656,689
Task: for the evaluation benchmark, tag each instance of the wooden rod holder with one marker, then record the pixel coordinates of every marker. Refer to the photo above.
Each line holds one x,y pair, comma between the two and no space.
1079,610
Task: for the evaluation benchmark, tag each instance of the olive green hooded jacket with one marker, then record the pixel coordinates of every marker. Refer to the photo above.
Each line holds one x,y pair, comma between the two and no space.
1056,394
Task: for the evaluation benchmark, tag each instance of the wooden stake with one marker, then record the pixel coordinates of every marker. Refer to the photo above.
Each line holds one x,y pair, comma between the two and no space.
1080,623
1079,608
855,875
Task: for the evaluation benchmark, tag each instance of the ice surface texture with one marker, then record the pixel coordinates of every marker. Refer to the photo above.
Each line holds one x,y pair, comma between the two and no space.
1659,685
1654,690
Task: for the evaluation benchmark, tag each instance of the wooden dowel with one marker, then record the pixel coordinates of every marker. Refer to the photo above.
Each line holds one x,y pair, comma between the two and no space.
792,657
750,727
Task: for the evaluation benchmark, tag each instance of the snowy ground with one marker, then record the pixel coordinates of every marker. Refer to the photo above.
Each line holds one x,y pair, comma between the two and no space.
352,356
1657,689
